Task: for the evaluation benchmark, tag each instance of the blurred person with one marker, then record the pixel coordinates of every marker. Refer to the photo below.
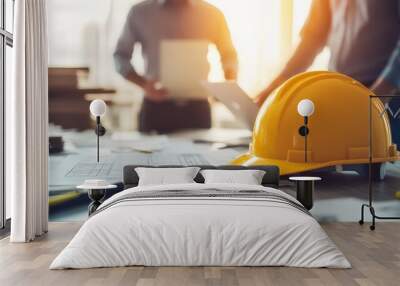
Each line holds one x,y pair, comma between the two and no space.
150,22
363,38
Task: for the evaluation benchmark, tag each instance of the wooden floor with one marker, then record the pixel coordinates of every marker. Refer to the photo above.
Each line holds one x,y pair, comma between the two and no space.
375,257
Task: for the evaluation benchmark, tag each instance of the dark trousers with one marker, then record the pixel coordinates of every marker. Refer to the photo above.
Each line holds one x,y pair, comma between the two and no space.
170,116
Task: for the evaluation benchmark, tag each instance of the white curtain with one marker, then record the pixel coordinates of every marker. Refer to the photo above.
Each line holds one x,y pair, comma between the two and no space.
27,121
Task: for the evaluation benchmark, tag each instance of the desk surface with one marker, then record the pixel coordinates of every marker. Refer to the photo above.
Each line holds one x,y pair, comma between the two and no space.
121,149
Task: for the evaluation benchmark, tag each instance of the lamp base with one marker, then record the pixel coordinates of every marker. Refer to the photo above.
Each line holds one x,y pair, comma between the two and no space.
97,196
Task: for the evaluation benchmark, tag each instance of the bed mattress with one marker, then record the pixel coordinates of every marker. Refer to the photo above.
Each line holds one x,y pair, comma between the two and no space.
201,225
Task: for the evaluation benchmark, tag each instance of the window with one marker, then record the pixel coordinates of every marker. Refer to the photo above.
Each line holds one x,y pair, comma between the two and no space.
264,34
6,43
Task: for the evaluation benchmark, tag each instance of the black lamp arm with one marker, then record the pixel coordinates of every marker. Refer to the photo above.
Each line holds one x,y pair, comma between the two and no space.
304,131
100,130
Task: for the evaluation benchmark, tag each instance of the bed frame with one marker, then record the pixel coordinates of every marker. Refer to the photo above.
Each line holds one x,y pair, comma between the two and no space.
271,177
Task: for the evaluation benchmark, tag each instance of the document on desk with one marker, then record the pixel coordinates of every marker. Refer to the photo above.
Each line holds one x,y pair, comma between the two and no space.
220,157
183,66
135,141
118,151
77,168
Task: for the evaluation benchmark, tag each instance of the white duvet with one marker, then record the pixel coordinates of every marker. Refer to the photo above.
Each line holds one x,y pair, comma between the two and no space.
202,232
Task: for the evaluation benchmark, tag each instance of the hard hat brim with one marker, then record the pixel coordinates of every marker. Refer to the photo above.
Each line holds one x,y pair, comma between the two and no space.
289,168
285,167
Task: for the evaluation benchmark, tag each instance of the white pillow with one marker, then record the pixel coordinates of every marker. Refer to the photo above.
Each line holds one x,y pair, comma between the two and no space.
166,176
247,177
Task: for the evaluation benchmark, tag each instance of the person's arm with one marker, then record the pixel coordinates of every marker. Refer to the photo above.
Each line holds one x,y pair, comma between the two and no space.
314,36
226,49
122,59
389,81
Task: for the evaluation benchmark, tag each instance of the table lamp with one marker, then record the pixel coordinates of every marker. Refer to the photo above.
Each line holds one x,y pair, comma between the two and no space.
305,108
98,108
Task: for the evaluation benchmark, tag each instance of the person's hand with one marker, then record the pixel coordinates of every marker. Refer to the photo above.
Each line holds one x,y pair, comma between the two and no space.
154,91
230,74
259,100
262,97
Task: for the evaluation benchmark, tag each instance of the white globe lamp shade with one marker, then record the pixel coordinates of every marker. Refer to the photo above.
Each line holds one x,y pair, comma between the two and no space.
98,107
305,107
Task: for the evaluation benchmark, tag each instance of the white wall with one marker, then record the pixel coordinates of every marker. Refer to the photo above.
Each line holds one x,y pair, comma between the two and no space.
67,20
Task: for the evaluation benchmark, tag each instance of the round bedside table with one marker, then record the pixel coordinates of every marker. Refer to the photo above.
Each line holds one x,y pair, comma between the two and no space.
97,190
305,190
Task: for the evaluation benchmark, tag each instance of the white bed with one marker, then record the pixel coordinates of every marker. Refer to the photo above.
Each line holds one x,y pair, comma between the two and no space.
185,230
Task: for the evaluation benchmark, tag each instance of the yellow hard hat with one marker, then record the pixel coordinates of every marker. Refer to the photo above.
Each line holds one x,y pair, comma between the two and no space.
338,128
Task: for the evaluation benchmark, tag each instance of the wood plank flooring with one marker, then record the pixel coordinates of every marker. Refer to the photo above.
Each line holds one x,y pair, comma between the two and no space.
375,257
